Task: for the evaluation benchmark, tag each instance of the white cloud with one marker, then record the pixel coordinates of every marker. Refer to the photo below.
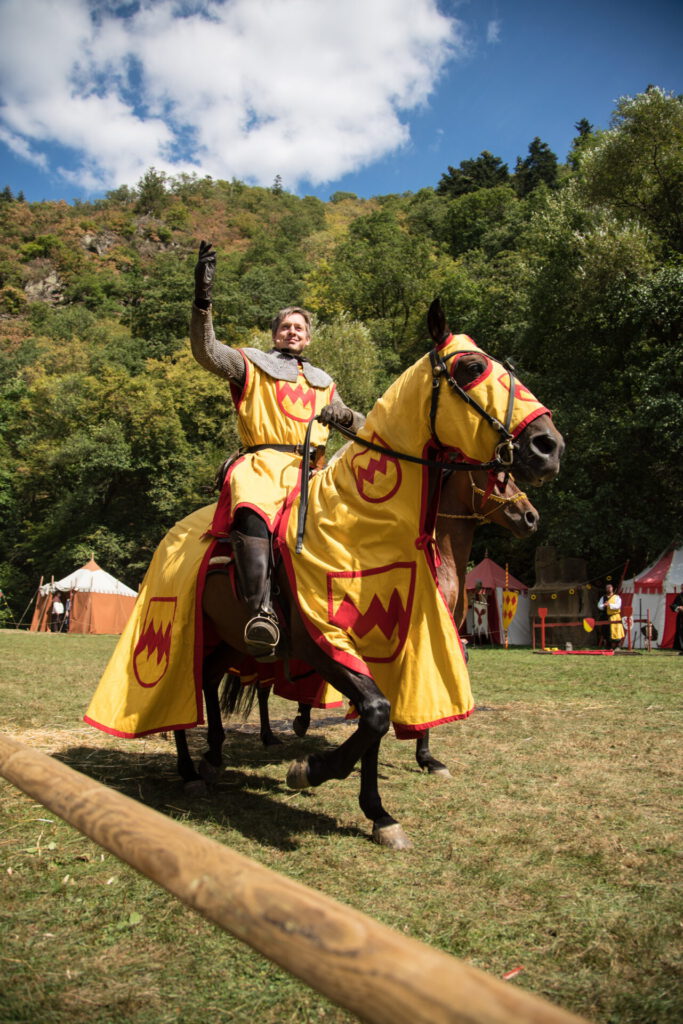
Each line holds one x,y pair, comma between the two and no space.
493,31
308,89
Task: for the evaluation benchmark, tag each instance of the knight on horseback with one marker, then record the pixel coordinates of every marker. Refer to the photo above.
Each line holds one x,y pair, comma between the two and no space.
276,394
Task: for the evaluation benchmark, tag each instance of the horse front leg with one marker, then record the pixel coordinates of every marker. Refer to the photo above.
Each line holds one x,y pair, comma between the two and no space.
301,723
385,830
373,711
363,745
426,759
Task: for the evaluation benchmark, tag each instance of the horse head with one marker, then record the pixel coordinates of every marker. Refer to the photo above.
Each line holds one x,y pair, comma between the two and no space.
497,405
479,497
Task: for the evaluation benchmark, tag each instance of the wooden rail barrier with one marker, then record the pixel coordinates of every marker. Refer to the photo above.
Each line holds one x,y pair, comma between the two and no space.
360,964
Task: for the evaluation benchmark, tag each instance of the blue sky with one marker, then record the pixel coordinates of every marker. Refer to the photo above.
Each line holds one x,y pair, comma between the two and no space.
367,96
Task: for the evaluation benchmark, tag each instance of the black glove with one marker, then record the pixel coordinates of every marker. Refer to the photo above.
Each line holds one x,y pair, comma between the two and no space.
203,275
336,416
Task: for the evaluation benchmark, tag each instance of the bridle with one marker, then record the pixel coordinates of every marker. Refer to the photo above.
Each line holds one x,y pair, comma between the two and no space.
503,454
487,496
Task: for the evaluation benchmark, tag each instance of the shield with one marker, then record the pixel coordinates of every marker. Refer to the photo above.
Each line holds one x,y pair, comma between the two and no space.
378,476
152,651
297,401
510,599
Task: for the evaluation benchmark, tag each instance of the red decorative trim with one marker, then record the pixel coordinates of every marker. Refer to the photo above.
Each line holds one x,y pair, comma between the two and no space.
530,419
482,376
409,732
237,393
136,735
340,657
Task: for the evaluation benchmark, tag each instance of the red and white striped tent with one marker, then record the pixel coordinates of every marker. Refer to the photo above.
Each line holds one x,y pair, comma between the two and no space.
652,591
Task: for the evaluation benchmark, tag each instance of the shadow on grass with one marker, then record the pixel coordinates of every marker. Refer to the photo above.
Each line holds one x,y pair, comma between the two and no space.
245,797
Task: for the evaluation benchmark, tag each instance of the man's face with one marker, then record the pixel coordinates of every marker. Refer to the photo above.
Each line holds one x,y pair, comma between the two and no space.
292,334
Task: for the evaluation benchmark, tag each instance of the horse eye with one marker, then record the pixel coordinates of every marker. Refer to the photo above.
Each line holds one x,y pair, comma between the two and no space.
474,370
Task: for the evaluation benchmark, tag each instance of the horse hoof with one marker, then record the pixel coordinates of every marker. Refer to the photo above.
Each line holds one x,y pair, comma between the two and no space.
271,740
209,772
392,836
297,776
300,726
442,773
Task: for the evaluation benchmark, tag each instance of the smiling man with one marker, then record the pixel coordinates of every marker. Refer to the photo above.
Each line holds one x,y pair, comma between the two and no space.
276,394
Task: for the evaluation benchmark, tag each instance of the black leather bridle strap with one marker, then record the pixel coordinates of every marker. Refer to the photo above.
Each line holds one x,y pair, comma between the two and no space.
439,373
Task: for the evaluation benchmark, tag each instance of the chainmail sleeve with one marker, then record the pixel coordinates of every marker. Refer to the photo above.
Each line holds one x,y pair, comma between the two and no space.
212,354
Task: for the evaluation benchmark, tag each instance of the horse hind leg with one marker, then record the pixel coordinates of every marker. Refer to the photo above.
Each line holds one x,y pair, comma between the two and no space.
426,759
268,737
209,768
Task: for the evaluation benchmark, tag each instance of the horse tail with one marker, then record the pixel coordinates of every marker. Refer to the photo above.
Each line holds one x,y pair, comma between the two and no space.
235,697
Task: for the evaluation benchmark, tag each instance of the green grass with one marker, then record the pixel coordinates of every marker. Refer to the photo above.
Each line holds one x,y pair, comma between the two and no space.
555,847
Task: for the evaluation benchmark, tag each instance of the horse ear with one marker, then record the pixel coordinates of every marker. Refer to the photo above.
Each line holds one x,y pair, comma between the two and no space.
436,322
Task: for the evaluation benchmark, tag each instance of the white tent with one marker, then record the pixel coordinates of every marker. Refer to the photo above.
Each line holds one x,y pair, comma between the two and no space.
652,591
99,603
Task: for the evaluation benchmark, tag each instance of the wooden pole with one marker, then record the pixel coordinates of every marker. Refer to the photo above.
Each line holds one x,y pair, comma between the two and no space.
364,966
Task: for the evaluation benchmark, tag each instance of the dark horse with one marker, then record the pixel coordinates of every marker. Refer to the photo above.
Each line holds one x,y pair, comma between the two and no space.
432,410
468,500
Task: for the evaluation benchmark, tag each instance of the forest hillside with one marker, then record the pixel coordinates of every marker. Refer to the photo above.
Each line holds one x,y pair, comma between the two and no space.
110,432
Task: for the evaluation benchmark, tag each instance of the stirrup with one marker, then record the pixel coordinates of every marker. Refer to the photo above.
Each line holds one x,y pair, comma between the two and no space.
262,635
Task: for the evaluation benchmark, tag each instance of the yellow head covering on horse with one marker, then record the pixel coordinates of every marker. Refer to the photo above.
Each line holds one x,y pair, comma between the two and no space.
366,578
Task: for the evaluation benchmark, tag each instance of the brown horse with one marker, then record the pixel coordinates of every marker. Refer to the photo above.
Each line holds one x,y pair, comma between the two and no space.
468,500
427,412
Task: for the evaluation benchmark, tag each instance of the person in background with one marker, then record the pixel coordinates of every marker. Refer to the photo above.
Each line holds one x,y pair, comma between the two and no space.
610,604
57,614
676,607
480,615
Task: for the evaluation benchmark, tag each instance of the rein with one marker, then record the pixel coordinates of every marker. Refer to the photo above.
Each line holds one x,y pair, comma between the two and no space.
483,517
503,452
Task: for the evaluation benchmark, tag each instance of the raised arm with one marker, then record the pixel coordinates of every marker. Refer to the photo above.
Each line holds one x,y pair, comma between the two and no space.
210,353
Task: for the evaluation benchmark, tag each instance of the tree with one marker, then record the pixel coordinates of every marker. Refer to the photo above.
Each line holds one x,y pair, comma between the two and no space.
489,218
584,132
539,167
152,196
384,276
604,344
636,168
486,171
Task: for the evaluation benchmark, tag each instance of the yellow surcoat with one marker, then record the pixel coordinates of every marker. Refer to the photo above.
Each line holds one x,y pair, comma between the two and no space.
277,412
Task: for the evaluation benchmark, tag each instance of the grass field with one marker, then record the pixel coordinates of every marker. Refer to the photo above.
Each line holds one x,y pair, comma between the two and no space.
554,848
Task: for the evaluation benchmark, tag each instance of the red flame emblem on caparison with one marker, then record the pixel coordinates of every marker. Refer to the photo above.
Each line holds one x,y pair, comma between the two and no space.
297,401
152,651
374,606
378,476
522,394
